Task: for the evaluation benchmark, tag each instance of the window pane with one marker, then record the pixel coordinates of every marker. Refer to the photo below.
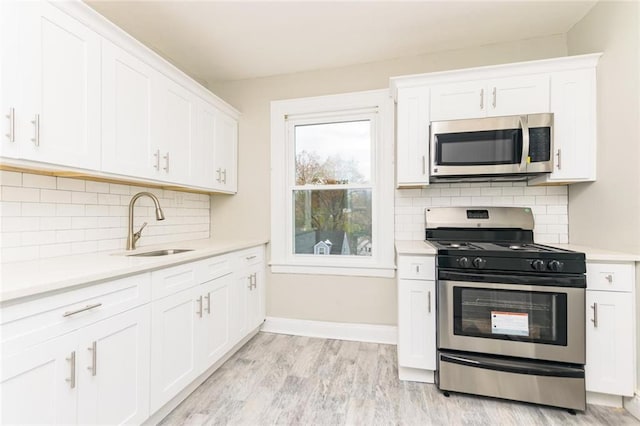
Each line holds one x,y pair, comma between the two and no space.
333,153
336,222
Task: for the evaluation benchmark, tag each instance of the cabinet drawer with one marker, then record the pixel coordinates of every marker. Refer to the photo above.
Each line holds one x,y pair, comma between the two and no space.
250,256
41,319
215,267
417,267
610,276
174,279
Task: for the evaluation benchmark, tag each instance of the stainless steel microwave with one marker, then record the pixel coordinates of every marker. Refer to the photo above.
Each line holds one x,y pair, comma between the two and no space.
493,148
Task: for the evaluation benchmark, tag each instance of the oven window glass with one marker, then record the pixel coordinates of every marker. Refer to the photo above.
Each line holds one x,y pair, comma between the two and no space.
479,148
537,317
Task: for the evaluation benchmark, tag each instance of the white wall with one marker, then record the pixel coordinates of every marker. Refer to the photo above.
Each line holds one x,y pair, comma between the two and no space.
606,213
46,216
329,298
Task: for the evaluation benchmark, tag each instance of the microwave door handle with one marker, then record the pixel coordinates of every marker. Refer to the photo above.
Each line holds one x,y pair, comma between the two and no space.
525,142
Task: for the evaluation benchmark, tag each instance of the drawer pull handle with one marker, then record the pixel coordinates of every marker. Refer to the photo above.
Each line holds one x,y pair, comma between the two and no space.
251,257
594,320
609,278
94,355
86,308
72,362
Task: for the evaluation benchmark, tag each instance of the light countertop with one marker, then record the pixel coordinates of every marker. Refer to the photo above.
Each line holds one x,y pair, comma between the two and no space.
407,247
29,278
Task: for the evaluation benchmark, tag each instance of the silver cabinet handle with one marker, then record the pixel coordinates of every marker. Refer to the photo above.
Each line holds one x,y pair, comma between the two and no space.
224,174
250,278
157,157
208,297
12,125
594,320
417,269
36,135
251,257
255,280
424,165
219,173
481,98
609,278
429,301
199,311
559,156
494,98
86,308
72,378
166,162
94,351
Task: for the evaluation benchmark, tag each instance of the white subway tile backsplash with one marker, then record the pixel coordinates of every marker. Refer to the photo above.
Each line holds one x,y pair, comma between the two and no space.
44,216
548,204
16,193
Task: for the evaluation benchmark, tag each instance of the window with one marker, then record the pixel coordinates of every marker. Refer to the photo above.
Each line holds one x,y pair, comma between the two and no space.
332,185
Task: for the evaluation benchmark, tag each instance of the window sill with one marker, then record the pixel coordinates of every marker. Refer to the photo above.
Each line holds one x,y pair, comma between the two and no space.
356,271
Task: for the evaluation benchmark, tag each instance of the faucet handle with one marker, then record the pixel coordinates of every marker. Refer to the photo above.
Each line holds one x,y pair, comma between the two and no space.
138,234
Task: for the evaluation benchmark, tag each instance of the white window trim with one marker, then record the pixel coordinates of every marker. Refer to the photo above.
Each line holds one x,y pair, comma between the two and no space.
381,264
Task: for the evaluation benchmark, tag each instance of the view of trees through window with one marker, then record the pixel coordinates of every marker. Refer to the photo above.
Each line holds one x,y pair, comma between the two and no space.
332,192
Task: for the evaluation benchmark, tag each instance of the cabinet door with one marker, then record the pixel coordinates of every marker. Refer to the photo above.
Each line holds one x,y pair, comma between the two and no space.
173,350
458,100
178,124
40,385
61,81
255,297
518,95
202,155
10,89
114,369
610,351
416,324
239,318
129,114
574,133
226,152
214,333
412,141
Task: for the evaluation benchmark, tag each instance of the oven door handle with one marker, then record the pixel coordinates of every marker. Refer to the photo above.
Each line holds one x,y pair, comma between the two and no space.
512,366
524,160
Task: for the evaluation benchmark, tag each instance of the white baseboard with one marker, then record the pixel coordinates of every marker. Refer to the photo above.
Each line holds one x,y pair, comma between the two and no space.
372,333
604,399
632,405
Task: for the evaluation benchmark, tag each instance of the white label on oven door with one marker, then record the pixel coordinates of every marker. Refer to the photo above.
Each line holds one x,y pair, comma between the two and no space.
512,323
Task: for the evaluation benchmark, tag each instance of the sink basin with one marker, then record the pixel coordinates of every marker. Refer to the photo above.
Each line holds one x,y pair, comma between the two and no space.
164,252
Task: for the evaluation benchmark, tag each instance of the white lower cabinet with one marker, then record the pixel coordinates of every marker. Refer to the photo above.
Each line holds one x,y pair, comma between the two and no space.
215,325
416,318
610,329
417,324
98,374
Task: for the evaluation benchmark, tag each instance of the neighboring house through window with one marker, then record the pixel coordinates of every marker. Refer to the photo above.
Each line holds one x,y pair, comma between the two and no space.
332,184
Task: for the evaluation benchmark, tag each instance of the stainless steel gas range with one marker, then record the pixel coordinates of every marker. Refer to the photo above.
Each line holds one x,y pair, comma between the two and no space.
511,313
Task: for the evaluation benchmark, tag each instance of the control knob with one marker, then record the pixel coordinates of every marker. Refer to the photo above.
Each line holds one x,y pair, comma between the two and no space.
479,262
538,265
464,262
555,265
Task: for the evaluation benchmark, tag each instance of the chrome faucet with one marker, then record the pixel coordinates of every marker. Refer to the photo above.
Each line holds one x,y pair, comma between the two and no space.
132,237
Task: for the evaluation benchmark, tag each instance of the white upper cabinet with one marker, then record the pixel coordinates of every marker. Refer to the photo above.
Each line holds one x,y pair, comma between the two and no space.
129,113
573,102
565,87
202,155
412,127
487,98
225,153
55,90
10,91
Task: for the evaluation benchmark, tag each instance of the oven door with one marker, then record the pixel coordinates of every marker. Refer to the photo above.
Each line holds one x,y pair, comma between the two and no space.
530,321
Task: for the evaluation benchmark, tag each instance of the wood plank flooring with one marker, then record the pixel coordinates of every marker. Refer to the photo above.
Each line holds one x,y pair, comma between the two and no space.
290,380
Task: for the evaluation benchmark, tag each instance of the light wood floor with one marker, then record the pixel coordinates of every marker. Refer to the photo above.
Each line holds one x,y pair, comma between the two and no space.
290,380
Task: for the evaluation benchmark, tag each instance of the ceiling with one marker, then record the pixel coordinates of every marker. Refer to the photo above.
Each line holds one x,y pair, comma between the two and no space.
216,41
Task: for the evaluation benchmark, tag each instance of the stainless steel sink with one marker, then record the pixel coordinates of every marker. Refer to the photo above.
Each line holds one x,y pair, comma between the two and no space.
164,252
